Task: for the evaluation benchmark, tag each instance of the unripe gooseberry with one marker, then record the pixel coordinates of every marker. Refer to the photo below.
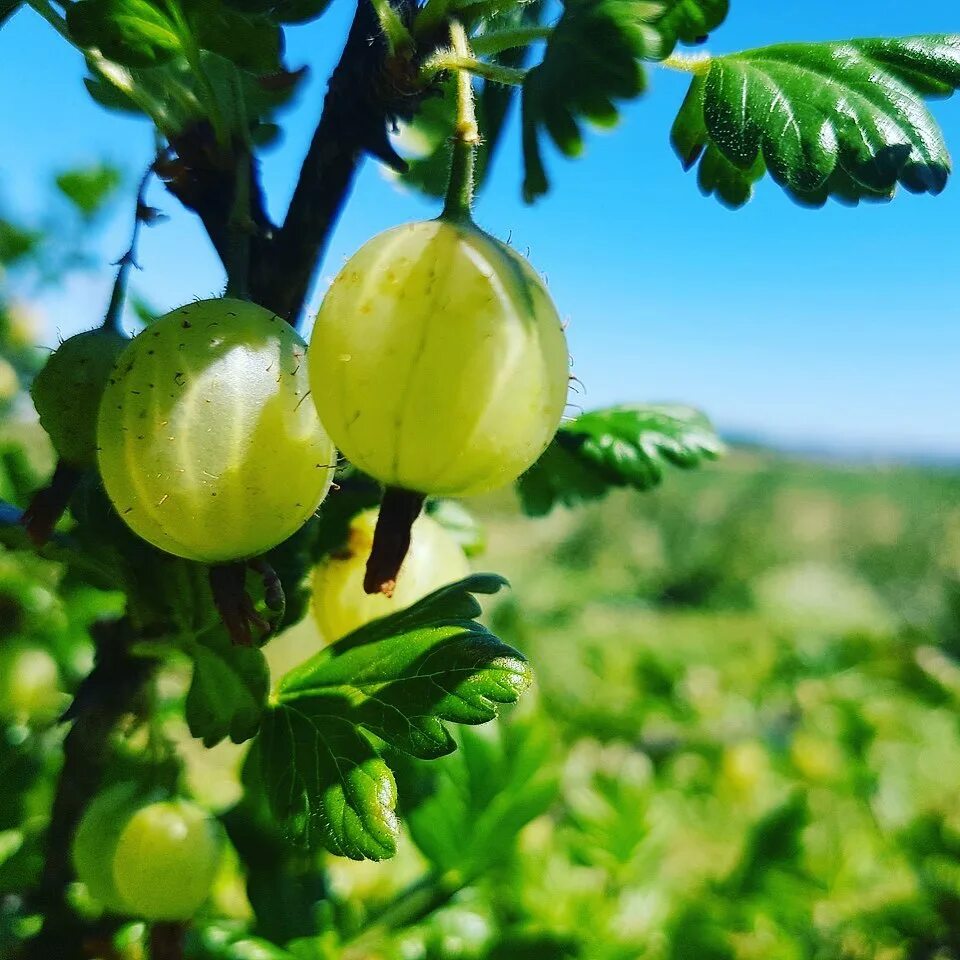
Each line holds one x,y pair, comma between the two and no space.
29,683
67,392
339,601
166,860
208,446
94,844
438,362
9,381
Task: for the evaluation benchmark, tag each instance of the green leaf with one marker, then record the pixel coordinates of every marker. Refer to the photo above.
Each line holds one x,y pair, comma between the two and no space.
16,242
688,21
282,11
253,43
134,33
617,447
228,692
842,120
591,60
498,781
89,188
775,843
7,9
395,681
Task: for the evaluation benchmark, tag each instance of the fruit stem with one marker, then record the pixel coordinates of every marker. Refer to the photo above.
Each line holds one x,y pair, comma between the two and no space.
49,504
465,138
142,212
391,539
167,941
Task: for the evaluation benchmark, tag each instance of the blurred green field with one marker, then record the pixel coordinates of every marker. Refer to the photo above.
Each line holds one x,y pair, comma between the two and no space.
743,741
751,678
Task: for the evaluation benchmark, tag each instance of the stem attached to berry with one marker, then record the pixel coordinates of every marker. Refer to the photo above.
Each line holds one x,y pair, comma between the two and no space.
466,136
391,539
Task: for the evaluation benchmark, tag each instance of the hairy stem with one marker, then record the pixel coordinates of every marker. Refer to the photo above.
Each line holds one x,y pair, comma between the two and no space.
499,40
445,60
466,136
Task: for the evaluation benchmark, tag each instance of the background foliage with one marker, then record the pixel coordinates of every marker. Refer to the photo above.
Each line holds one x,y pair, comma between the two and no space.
743,738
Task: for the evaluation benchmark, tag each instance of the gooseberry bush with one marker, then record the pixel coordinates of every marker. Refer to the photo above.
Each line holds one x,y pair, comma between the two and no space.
224,481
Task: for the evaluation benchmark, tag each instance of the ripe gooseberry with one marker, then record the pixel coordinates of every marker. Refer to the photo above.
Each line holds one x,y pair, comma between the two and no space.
166,859
339,601
438,362
67,392
206,446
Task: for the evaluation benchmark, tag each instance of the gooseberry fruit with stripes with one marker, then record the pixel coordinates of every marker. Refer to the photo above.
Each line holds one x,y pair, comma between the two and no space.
209,447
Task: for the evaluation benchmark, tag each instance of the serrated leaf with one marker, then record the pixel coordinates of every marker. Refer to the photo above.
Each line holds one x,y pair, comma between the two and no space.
396,681
843,120
591,61
327,783
618,447
228,691
688,21
89,188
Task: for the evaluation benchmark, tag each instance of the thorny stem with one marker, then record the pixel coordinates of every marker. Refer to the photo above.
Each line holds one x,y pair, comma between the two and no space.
353,122
466,136
111,320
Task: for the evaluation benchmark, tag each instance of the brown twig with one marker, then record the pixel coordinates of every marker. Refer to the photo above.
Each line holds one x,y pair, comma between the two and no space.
360,100
166,941
110,691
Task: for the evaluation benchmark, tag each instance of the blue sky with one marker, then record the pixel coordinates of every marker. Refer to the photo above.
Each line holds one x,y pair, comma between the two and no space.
837,327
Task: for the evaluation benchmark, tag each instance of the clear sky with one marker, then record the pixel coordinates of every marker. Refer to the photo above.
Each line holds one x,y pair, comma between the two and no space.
838,327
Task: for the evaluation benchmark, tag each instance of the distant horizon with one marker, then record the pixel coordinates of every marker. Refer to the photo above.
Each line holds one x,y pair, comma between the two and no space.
836,329
852,454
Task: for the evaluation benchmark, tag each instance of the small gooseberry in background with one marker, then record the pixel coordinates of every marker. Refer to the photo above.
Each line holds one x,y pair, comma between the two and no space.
30,689
67,392
340,604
